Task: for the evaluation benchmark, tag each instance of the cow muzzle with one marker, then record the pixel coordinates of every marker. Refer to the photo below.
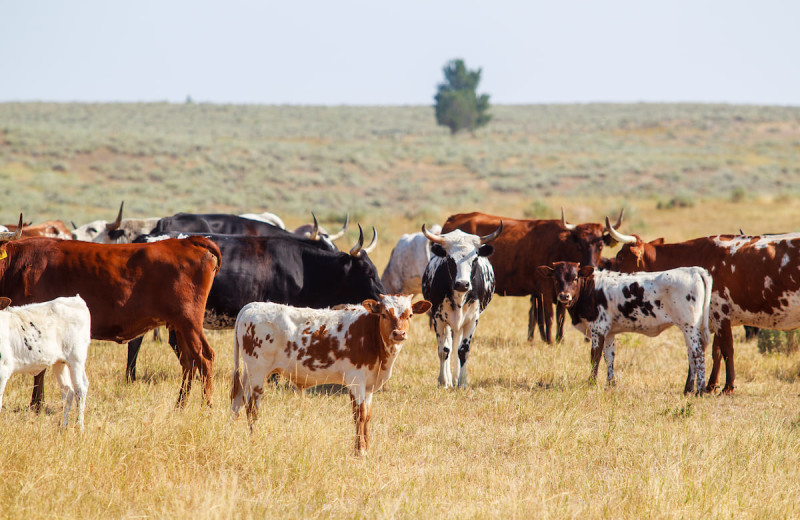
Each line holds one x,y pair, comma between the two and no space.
565,299
399,335
460,286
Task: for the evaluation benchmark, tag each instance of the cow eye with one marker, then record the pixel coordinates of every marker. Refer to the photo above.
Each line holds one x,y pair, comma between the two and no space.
92,230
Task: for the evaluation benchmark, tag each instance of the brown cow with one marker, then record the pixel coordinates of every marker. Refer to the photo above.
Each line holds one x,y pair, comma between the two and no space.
756,282
129,288
49,228
527,244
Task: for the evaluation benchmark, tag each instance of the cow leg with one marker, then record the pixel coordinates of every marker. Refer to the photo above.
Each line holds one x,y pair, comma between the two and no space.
4,376
254,403
37,397
444,337
61,374
358,400
597,350
463,351
540,317
722,347
608,355
726,348
196,354
561,312
133,353
172,339
533,317
367,419
547,315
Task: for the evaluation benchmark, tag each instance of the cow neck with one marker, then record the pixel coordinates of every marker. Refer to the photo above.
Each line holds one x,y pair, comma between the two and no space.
365,343
589,299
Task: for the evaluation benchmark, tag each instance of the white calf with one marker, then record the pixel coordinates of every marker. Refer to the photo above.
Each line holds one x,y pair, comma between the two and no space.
40,335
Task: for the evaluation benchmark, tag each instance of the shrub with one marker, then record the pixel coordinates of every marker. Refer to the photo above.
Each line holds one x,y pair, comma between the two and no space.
778,341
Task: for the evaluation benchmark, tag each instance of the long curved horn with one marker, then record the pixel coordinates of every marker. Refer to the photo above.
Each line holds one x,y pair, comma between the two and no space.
488,238
373,243
344,228
314,232
436,239
619,219
360,245
73,224
15,235
619,237
115,225
568,227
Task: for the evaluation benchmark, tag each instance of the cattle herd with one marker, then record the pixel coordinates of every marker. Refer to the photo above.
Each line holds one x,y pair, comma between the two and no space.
305,310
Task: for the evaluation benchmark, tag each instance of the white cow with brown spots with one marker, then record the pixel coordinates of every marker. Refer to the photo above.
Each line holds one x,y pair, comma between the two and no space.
355,346
39,335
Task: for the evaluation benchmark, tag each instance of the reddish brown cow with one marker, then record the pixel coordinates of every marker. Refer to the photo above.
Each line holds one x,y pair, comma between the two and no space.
50,228
527,244
129,289
756,282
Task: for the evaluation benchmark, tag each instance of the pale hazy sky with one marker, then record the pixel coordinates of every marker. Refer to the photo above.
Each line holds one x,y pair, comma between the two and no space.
375,52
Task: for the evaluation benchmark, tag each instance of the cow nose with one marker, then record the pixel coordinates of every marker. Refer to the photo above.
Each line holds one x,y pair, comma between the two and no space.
461,286
399,335
564,298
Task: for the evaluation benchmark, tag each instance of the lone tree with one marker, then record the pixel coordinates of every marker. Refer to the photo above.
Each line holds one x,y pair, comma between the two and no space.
458,107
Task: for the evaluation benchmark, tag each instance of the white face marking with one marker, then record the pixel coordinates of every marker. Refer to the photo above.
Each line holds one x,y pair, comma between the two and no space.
463,249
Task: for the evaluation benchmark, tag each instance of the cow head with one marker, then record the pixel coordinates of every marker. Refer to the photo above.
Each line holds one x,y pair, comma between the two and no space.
15,235
566,278
632,257
316,232
461,251
361,276
587,240
100,231
395,312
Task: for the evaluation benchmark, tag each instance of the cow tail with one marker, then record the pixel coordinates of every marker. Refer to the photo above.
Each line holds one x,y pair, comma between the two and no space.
708,283
236,386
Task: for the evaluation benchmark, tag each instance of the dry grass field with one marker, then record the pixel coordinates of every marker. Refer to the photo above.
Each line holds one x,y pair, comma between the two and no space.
530,438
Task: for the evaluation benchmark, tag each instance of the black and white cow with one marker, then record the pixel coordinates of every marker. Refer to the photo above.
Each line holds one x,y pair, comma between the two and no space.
459,283
603,304
288,270
120,231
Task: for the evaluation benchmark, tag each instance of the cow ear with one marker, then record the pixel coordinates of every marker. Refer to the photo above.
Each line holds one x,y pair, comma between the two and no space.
607,240
372,306
586,271
657,242
545,271
485,250
421,307
438,250
4,302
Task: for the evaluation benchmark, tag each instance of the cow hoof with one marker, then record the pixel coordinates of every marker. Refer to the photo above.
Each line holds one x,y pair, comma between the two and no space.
712,389
727,390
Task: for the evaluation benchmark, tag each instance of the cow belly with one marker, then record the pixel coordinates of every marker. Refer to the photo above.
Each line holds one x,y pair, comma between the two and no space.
780,317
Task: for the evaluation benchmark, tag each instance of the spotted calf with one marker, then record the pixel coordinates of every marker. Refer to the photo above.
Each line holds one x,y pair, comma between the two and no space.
355,346
603,304
39,335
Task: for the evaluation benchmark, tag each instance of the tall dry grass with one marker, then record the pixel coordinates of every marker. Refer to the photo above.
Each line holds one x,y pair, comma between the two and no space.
530,438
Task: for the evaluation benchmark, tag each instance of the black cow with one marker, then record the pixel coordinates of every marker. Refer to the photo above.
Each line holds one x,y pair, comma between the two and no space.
459,283
224,224
286,270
